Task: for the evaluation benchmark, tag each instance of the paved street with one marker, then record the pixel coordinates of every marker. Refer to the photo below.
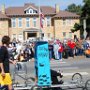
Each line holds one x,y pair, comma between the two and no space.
68,67
72,65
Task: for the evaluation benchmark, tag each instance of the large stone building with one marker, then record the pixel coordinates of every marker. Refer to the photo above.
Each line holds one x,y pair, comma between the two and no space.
23,22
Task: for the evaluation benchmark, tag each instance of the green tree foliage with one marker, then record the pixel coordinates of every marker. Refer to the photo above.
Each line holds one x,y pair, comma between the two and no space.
74,8
78,10
86,14
76,27
86,9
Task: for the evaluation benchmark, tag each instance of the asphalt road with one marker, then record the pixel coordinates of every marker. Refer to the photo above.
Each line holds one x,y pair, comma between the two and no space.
68,67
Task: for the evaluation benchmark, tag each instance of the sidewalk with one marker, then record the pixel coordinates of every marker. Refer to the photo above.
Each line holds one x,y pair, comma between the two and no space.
69,58
76,58
72,58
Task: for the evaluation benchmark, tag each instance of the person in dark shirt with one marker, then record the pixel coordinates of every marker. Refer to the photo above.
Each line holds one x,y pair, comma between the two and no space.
5,78
54,78
50,46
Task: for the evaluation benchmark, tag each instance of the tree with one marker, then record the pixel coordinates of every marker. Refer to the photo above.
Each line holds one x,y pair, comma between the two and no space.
84,12
78,27
74,8
86,15
78,10
86,9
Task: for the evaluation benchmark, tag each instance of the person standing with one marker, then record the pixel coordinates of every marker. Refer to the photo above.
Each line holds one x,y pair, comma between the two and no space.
71,45
5,78
55,49
50,46
60,51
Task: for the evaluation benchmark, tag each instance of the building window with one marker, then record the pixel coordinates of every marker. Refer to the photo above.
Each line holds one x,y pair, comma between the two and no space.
48,35
64,21
27,22
31,11
13,20
20,37
20,22
27,12
64,34
70,34
48,21
34,21
34,11
69,22
14,36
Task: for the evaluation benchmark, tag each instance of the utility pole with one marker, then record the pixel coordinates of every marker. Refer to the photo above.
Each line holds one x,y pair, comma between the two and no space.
40,31
84,27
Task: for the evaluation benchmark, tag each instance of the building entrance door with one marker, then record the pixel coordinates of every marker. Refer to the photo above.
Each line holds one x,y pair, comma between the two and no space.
31,35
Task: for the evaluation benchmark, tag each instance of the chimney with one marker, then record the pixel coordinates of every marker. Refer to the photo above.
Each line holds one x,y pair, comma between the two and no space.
57,8
3,9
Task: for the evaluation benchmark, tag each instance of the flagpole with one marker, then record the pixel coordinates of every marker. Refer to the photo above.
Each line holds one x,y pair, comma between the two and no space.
40,31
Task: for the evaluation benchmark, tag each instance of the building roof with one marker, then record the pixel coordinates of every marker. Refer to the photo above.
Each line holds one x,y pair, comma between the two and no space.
46,10
66,14
26,5
3,16
15,11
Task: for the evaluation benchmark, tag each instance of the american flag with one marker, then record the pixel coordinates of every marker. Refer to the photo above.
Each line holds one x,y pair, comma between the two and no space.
41,19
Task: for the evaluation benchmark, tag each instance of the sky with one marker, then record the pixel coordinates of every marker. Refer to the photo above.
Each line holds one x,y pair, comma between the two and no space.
62,3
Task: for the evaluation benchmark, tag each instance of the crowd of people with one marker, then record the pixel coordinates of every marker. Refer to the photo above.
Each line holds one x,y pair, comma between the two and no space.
57,49
69,48
21,51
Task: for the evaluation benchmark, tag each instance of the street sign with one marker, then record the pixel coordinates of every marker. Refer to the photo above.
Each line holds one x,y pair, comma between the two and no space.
42,63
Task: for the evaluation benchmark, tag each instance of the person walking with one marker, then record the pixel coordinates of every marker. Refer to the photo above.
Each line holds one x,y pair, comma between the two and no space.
5,78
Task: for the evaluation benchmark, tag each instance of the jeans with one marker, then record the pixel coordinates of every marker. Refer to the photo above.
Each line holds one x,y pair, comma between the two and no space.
50,54
79,51
70,52
60,55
